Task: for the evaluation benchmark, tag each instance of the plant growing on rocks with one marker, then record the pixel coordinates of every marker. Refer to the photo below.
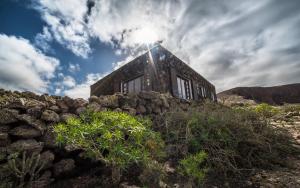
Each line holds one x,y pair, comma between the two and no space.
26,169
115,138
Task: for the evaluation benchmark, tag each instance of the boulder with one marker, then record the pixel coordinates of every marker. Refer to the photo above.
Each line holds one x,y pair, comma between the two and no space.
25,131
35,111
65,116
131,111
3,154
4,128
149,94
62,105
54,108
8,116
47,157
110,101
141,109
50,116
63,167
80,110
17,103
30,103
30,120
4,139
44,181
94,106
128,101
93,99
79,103
49,139
29,145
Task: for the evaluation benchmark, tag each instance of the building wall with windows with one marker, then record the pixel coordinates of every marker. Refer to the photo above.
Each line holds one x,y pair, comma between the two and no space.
156,70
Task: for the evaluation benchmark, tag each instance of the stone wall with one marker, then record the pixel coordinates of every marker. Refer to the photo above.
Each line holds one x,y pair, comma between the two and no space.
26,122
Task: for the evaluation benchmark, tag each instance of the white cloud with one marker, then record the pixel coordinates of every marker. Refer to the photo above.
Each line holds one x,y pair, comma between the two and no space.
23,67
82,90
65,20
73,67
230,43
69,81
42,40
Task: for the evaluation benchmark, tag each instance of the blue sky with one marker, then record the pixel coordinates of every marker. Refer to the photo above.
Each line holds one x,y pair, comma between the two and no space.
62,46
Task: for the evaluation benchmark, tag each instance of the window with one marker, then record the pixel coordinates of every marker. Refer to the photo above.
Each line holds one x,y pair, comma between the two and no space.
213,96
184,88
132,86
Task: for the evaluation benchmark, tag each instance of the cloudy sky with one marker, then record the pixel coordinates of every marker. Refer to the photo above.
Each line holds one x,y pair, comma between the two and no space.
63,46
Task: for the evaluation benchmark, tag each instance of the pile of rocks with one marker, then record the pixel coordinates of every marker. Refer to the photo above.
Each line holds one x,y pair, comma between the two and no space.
27,119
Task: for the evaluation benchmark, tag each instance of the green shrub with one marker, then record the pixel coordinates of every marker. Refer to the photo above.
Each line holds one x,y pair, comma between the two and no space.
194,166
266,110
115,138
234,139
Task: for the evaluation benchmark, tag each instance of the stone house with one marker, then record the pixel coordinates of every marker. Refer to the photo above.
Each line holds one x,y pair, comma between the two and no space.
156,70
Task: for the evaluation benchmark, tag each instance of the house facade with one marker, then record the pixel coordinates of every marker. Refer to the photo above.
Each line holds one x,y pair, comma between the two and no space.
156,70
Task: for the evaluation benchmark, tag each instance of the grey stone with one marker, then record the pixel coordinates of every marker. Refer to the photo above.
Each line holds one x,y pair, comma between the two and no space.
93,99
50,116
25,131
149,94
4,139
79,103
64,117
62,167
110,101
8,116
47,157
80,110
141,109
62,105
94,107
49,139
38,124
35,111
4,128
55,108
29,145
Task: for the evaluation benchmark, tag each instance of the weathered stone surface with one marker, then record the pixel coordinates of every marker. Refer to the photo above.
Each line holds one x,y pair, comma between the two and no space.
4,139
63,106
30,103
44,181
49,139
62,167
17,103
50,116
131,111
35,111
127,101
4,128
79,103
93,99
141,109
80,110
38,124
25,131
149,94
94,106
47,157
3,154
65,116
54,108
8,116
110,101
29,145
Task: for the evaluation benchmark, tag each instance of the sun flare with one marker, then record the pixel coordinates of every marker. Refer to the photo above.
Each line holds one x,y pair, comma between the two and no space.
145,35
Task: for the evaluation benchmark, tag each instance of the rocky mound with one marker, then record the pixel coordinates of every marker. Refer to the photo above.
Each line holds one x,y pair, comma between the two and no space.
276,95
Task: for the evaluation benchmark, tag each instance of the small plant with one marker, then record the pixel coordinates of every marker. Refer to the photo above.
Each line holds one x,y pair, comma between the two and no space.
115,138
266,110
194,166
28,166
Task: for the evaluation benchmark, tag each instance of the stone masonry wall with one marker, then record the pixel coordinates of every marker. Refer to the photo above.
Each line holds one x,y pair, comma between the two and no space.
26,122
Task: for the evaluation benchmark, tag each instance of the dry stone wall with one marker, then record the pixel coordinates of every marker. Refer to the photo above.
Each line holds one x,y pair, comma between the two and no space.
27,119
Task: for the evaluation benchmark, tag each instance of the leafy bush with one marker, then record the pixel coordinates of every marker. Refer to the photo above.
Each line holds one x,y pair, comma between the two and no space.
115,138
266,110
194,167
234,139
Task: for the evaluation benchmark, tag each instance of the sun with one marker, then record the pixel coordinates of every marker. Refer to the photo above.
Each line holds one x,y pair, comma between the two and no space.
145,35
